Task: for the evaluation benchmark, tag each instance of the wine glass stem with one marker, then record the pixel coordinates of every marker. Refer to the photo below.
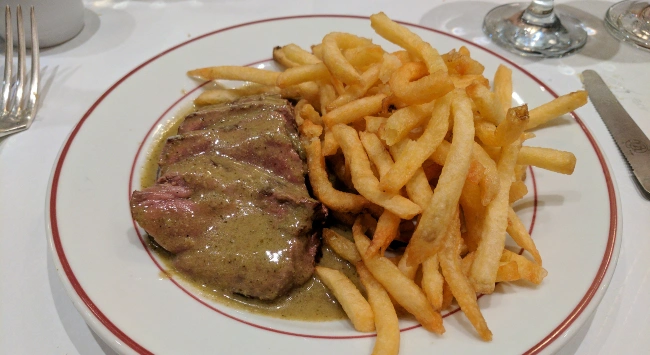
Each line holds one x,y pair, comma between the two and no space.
540,13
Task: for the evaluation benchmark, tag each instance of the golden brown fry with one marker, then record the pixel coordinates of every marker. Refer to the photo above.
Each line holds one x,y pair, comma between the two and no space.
374,123
460,286
330,145
417,188
353,303
228,72
403,289
503,86
377,153
508,271
389,65
485,266
462,64
462,82
302,74
414,155
387,230
403,37
556,108
280,56
508,131
298,55
520,235
547,158
333,57
322,187
411,84
432,281
426,239
327,94
308,112
364,180
518,190
354,110
386,321
310,129
527,269
341,245
355,91
402,121
363,57
486,103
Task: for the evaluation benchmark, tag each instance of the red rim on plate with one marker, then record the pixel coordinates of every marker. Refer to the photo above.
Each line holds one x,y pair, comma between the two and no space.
106,322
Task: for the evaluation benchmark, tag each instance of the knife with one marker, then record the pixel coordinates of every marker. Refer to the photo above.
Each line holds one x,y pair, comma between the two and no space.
630,139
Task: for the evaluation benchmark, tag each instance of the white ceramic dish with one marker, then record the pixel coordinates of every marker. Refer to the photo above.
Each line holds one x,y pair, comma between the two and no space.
116,283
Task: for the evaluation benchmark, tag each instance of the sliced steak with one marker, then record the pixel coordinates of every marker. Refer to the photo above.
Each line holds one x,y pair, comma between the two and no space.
231,203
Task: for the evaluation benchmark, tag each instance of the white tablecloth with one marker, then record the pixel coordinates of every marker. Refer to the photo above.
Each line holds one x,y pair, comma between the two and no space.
36,316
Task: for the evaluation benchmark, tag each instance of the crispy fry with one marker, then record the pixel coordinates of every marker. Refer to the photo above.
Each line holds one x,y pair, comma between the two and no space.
402,121
414,155
354,110
411,84
333,57
547,158
556,108
298,55
486,103
341,245
527,269
426,239
377,153
228,72
503,86
461,288
520,235
302,74
363,57
408,40
485,266
432,281
387,230
322,187
353,303
357,90
403,289
280,56
386,321
518,190
363,179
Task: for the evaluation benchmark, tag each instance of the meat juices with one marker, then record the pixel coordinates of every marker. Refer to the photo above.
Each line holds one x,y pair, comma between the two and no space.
231,203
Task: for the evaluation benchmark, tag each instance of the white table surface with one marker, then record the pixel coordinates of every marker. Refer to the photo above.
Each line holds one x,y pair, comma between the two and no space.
36,316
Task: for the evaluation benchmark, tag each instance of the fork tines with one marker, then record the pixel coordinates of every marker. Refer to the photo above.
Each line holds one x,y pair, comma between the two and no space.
19,96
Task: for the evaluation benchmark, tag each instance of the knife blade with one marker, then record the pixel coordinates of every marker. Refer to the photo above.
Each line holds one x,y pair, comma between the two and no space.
630,139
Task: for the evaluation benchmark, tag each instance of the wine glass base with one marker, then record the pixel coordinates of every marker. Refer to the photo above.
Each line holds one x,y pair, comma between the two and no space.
630,21
506,26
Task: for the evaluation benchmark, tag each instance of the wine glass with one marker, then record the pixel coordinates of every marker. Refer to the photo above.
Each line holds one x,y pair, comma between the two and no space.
534,29
630,21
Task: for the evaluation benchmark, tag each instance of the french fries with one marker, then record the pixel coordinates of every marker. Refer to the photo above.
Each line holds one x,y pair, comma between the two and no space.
411,147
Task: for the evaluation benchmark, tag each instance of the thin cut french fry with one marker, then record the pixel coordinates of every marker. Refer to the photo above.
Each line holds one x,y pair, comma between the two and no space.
403,289
341,245
364,180
485,266
426,239
353,303
386,321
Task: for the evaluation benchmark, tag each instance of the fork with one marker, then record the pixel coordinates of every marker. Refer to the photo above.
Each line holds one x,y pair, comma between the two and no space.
18,102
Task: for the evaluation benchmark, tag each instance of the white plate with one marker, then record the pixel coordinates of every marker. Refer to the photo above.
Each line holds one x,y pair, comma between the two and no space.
115,282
